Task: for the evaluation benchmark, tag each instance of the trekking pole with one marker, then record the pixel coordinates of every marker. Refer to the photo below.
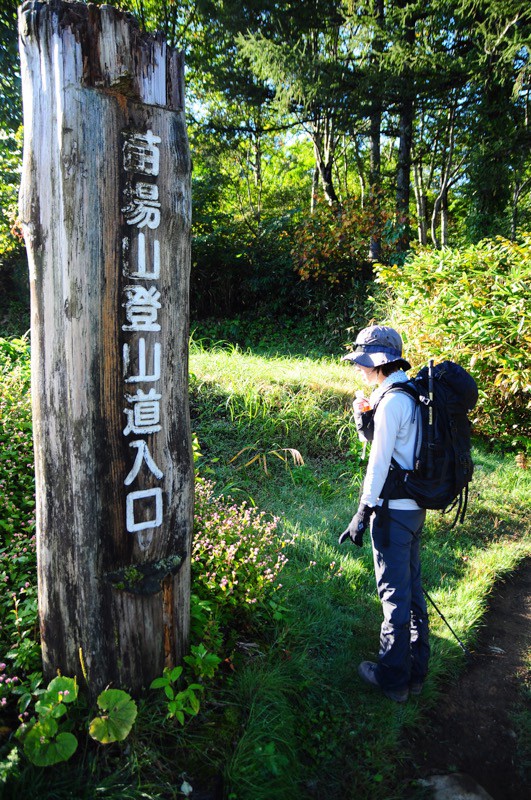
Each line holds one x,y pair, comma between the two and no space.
465,650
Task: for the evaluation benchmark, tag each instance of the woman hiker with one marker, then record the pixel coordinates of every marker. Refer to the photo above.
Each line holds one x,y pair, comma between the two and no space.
395,532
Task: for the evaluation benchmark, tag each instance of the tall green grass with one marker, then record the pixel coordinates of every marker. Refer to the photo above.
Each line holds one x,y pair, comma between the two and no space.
240,399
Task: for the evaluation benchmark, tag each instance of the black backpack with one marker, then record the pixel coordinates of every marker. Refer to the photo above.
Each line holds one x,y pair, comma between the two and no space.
444,394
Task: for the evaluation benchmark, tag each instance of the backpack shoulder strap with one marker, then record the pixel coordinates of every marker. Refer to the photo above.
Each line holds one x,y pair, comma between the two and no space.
367,417
408,388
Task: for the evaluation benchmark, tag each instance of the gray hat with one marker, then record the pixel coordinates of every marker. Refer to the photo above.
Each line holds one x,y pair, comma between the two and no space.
376,346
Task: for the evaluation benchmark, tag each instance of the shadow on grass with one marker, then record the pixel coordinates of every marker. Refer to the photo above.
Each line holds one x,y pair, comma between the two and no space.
270,337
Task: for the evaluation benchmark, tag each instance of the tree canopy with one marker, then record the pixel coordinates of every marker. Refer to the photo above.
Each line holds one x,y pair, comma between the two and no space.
409,116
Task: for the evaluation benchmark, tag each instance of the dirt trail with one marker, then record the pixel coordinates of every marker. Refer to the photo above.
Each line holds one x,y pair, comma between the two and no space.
471,729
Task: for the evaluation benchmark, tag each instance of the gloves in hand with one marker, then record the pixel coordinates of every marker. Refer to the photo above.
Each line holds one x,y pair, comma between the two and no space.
358,525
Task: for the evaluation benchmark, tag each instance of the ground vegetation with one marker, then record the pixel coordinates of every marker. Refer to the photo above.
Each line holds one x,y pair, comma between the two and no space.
266,703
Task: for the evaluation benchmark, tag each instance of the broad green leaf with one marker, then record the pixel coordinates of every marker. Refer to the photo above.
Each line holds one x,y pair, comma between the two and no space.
43,751
174,706
195,703
58,711
46,726
119,713
43,707
24,702
62,690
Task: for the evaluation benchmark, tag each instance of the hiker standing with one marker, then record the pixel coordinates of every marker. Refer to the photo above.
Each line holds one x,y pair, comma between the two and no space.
395,530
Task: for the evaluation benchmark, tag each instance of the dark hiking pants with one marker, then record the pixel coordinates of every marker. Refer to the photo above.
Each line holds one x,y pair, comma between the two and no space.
404,645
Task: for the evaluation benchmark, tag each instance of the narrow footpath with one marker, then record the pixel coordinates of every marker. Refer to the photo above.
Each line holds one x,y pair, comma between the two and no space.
472,729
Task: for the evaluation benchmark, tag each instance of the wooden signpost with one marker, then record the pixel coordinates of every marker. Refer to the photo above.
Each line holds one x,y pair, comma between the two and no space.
106,207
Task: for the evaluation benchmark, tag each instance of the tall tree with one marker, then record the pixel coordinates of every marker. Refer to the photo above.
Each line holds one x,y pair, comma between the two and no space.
440,151
335,69
303,55
406,105
10,104
521,167
501,36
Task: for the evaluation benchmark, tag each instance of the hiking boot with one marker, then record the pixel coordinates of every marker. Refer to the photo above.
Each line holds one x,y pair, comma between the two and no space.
367,672
415,687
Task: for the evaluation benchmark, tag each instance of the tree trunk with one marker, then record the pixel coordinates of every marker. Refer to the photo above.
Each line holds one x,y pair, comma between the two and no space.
434,218
444,219
405,126
375,129
324,146
514,215
375,152
324,167
375,246
421,203
403,181
448,173
105,205
315,189
491,160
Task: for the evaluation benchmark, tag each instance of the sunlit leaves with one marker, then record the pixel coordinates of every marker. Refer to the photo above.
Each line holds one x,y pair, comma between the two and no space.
473,306
116,718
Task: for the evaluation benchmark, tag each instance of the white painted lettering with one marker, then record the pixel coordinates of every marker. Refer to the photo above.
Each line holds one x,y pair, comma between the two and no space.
143,375
141,212
140,154
134,497
144,417
142,270
142,455
141,308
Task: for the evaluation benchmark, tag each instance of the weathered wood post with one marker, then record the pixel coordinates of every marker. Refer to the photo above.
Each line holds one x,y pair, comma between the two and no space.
105,204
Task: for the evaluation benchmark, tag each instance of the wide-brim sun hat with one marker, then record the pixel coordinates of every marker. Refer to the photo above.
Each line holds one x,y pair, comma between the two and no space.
376,346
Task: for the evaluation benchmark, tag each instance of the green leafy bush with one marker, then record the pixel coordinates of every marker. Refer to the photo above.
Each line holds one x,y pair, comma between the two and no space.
472,306
332,246
179,701
47,741
10,161
235,269
180,694
18,580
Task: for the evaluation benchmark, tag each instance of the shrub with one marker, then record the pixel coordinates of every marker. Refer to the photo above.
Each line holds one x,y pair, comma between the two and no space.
331,246
18,582
235,269
10,158
473,306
